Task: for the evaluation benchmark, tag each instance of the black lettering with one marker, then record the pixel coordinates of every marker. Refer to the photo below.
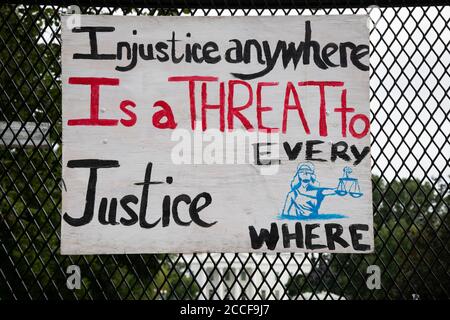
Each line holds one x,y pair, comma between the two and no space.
238,55
195,49
310,150
343,52
311,44
342,153
292,153
112,212
270,62
309,236
333,233
93,165
149,54
144,197
173,51
297,235
131,213
166,211
248,51
93,55
161,48
131,55
291,53
185,198
357,53
327,53
359,156
259,153
356,236
209,48
270,238
194,209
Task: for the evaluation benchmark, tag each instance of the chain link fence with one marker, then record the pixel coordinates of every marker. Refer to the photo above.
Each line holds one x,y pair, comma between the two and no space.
410,128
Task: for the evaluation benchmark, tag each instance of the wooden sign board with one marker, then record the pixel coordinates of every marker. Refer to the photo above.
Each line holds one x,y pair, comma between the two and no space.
217,134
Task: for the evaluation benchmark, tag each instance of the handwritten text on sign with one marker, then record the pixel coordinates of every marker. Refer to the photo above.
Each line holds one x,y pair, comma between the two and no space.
216,134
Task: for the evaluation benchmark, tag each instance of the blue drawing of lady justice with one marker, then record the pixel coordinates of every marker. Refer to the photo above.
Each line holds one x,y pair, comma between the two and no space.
304,199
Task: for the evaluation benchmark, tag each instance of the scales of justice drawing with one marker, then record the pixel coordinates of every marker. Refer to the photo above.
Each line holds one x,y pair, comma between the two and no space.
305,197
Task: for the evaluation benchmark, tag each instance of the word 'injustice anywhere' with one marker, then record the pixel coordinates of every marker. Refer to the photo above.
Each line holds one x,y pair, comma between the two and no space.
179,49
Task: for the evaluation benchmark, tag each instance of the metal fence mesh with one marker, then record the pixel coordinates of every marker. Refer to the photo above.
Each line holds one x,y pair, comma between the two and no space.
410,127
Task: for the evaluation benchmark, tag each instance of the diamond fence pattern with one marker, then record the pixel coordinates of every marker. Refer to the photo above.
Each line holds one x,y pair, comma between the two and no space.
410,106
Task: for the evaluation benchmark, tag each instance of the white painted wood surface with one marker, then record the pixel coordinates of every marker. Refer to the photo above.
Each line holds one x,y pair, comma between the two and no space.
241,196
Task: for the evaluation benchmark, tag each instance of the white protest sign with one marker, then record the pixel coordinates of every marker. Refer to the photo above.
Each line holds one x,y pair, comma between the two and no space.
216,134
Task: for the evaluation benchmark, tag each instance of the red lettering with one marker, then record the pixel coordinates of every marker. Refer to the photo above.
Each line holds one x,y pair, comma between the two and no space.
167,113
260,109
352,130
235,111
220,106
297,106
191,80
95,84
323,129
344,110
132,116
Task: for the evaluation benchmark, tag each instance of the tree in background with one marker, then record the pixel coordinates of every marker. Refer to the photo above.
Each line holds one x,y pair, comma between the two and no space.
30,178
411,224
411,221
